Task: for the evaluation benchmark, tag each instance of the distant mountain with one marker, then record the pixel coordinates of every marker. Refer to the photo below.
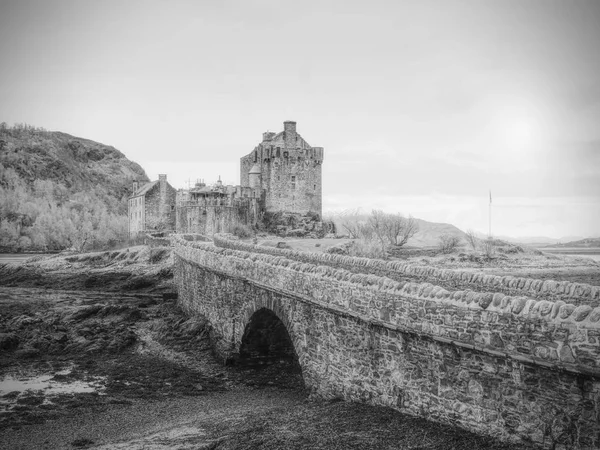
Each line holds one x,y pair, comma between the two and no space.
534,241
59,191
429,233
582,243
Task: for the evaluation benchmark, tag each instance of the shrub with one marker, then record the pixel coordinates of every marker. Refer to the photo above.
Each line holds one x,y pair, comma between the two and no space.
242,231
488,248
367,249
472,239
158,254
448,243
270,220
313,216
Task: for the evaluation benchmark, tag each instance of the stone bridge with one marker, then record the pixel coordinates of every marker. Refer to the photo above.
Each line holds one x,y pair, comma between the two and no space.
515,358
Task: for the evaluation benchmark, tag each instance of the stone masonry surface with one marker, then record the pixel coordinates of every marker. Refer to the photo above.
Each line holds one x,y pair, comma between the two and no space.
515,367
574,293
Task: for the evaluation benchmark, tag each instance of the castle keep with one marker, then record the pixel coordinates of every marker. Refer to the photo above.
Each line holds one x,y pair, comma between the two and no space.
287,169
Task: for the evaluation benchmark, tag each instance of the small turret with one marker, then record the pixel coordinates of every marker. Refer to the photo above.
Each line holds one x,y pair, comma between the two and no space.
254,177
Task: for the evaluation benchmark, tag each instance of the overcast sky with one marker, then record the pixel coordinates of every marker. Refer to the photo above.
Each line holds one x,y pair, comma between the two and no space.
421,106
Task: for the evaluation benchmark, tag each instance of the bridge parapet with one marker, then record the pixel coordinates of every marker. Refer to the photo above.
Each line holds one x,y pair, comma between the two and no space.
573,293
552,334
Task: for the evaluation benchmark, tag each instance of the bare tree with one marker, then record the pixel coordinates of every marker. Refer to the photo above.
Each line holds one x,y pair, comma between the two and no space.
392,229
351,222
377,222
472,239
402,229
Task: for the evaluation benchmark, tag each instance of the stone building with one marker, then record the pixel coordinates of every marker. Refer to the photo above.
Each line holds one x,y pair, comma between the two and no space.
287,169
152,207
217,209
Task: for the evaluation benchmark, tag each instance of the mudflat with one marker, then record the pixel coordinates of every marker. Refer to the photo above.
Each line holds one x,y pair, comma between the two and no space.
114,363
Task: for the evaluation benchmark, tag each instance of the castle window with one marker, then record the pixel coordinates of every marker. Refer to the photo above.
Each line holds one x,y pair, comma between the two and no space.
315,187
255,155
293,182
278,153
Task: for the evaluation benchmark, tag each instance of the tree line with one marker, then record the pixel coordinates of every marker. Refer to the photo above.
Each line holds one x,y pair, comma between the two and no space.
46,216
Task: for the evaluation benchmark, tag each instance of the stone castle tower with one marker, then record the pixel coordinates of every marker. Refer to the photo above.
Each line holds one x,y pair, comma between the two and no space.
288,169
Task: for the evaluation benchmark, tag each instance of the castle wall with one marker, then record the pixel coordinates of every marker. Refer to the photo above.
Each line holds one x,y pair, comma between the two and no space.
220,217
414,347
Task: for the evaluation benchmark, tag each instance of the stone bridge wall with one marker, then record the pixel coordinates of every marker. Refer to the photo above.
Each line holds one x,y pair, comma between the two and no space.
513,367
573,293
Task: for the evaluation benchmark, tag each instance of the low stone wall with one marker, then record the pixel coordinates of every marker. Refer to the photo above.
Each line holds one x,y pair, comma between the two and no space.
574,293
154,242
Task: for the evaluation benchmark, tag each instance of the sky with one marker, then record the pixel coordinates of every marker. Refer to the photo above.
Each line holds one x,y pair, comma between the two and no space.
423,107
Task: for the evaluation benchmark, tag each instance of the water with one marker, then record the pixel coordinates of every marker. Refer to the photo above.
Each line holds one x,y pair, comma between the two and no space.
46,384
592,253
18,257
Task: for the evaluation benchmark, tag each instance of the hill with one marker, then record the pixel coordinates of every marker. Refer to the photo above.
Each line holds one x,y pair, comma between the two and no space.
430,232
59,191
428,235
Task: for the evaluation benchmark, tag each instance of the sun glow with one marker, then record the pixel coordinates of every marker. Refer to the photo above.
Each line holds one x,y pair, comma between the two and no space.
520,133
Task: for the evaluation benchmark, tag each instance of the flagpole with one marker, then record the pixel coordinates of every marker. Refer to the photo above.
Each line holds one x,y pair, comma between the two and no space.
490,221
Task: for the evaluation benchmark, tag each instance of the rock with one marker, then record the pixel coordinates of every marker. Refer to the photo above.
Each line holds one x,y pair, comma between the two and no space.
8,341
27,352
60,337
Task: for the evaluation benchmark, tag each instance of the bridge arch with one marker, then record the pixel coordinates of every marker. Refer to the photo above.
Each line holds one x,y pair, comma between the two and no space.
268,336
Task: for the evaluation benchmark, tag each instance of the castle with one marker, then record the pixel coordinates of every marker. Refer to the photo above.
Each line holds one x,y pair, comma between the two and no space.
281,174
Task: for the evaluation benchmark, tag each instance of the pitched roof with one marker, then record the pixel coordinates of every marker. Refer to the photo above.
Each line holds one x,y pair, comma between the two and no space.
144,189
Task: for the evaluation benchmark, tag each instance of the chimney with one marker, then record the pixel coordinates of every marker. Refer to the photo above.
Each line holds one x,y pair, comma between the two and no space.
162,184
289,126
135,186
